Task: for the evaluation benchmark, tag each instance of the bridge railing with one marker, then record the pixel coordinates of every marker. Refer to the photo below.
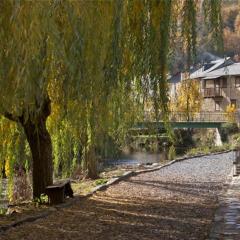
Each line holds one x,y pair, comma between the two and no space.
193,117
198,117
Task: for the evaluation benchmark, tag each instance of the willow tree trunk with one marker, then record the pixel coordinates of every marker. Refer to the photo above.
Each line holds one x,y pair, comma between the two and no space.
40,144
41,148
90,164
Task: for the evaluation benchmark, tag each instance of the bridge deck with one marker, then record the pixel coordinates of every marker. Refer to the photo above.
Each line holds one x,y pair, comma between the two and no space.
160,124
188,120
195,116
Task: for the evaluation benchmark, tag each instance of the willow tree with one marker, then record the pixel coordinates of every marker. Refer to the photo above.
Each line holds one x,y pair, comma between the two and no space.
85,58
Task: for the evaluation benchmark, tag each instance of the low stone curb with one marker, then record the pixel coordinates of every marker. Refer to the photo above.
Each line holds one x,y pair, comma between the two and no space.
110,182
102,187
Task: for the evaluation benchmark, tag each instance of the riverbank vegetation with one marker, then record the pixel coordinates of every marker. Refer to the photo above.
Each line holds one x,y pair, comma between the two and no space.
203,141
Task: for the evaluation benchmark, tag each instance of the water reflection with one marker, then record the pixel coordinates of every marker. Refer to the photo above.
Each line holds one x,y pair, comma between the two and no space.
136,158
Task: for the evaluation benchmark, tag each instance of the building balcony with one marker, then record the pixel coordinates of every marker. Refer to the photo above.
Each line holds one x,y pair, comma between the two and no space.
213,92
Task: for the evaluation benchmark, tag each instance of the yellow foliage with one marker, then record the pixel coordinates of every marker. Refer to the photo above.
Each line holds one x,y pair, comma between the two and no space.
189,98
231,113
7,167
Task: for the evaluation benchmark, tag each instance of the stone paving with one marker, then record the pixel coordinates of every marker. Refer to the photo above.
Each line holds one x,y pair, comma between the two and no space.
227,217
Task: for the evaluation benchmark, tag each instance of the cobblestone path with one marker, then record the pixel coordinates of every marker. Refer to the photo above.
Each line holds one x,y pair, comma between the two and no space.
176,202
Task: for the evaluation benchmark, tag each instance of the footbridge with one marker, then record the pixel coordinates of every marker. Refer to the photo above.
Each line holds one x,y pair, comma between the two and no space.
154,131
188,120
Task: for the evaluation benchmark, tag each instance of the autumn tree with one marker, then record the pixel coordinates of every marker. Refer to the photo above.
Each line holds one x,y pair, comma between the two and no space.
231,31
90,63
189,99
231,111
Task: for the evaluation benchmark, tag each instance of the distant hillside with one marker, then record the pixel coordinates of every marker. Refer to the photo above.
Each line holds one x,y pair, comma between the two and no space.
231,38
231,25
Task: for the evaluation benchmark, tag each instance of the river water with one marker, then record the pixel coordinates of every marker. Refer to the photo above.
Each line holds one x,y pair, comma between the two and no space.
135,158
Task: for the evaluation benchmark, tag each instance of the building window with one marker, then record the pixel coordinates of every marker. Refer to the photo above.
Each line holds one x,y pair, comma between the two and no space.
237,82
234,102
217,83
209,83
217,105
224,82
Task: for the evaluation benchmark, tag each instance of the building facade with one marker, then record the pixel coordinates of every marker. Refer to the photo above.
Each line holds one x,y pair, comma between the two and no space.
220,88
219,84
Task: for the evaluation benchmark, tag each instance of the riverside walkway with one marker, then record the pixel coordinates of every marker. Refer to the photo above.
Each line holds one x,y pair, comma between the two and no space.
175,202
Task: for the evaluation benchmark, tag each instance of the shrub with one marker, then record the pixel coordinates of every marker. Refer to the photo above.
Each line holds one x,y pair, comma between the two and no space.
207,150
228,129
183,141
231,113
171,153
235,140
100,181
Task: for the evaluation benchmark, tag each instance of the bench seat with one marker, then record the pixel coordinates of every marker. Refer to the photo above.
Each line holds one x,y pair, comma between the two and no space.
59,191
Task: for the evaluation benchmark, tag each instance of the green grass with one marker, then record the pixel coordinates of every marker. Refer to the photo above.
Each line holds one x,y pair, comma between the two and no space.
100,181
3,211
207,150
83,187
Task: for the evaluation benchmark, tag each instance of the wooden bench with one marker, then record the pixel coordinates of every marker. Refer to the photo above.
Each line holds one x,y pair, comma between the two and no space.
59,191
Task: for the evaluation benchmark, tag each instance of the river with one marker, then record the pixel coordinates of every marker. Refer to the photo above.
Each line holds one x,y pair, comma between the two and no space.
135,158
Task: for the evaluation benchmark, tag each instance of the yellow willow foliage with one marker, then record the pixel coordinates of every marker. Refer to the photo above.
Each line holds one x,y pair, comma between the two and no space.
23,45
7,132
97,61
189,98
8,168
12,150
231,113
59,42
12,147
73,46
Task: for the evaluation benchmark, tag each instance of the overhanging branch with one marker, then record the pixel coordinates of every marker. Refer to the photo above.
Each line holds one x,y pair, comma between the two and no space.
11,117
